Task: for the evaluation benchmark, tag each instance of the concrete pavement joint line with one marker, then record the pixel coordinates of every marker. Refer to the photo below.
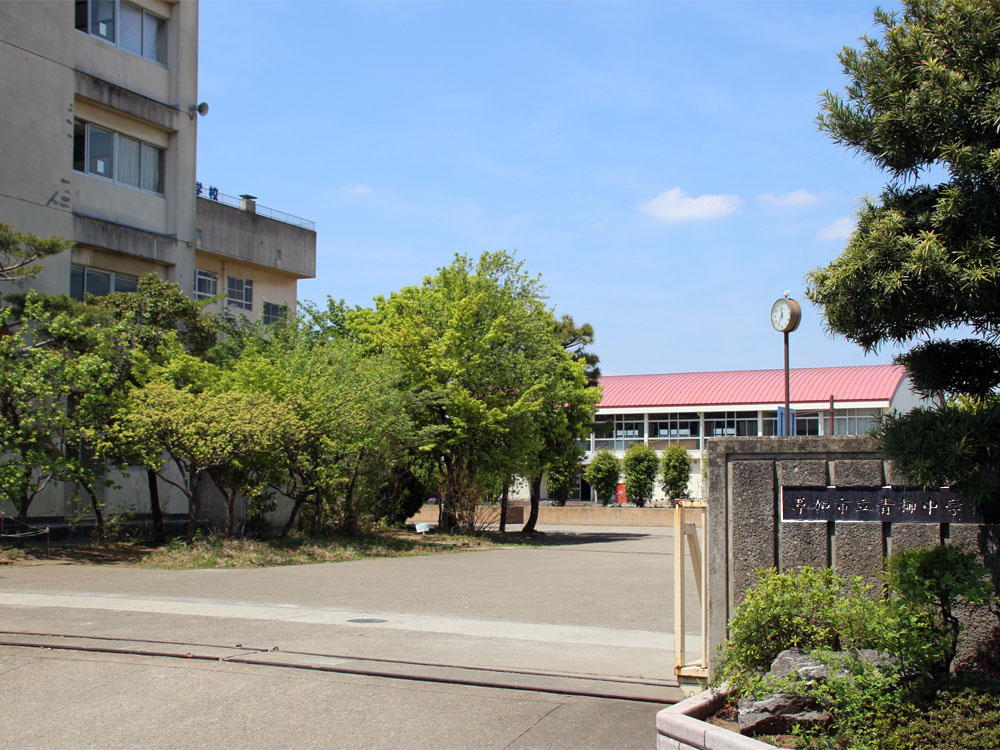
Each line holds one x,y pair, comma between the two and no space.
540,632
341,670
339,657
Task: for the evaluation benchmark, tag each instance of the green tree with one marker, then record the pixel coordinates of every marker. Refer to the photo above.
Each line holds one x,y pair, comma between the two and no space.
562,478
602,474
923,104
52,396
639,466
197,429
344,459
573,394
158,316
675,470
20,253
478,351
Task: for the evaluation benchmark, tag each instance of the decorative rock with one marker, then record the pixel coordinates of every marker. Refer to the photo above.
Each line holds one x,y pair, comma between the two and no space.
796,663
778,713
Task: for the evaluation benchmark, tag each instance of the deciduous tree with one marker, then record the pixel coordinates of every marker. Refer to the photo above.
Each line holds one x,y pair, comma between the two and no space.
479,351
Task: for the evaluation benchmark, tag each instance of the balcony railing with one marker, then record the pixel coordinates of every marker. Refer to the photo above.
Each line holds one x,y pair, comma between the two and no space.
213,194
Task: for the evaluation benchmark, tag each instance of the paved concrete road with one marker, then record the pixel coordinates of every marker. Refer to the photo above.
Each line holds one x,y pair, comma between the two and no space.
589,615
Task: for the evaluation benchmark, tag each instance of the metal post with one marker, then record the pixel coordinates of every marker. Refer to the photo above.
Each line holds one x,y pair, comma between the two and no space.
788,414
680,656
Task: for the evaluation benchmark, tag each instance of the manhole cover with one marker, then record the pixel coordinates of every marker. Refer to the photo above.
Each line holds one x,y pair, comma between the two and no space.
367,620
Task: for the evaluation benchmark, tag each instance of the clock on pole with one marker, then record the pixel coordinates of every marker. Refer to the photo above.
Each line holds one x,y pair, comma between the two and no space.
785,317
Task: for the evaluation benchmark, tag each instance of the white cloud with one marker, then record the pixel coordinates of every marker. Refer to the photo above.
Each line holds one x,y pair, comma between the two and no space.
675,206
794,198
839,230
359,189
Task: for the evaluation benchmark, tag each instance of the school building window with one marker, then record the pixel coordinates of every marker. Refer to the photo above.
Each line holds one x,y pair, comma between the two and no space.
239,293
116,157
86,280
273,313
125,25
206,284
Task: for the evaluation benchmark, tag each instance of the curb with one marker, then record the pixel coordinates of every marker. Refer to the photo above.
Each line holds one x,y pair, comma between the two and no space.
680,727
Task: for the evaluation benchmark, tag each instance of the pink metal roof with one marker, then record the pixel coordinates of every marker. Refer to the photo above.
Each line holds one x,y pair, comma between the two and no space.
860,383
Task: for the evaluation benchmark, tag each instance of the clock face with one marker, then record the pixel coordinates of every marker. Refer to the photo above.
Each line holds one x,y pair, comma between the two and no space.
785,315
781,314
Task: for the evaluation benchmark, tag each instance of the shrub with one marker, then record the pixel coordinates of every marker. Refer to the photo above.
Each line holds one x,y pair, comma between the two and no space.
563,476
960,719
934,579
807,608
640,466
602,474
675,469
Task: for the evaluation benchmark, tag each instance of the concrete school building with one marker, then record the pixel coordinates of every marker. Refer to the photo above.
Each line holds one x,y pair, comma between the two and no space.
689,408
99,113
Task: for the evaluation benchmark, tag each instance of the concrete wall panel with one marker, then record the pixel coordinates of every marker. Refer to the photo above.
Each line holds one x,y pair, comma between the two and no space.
857,473
752,541
857,551
914,535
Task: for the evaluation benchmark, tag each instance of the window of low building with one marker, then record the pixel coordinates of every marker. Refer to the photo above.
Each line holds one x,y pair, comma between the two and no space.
806,424
97,151
239,293
618,431
125,25
206,284
86,280
731,424
682,428
272,313
854,421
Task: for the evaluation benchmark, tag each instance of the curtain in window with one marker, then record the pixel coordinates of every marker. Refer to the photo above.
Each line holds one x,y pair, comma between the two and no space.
130,29
152,38
152,168
128,161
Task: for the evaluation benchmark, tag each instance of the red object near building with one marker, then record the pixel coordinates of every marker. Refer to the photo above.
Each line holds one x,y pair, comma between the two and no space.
621,496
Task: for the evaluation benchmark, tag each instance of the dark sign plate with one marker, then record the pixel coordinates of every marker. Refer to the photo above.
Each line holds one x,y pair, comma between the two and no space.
879,504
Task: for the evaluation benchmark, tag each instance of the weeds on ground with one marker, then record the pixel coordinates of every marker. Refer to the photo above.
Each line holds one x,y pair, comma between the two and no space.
207,551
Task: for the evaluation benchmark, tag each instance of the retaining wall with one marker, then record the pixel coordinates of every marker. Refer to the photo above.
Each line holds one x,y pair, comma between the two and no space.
552,515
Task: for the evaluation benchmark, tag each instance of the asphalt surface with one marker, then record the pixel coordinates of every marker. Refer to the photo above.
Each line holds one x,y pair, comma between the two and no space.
496,649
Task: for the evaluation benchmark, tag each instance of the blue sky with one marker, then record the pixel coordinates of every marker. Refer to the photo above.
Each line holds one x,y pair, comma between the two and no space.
658,163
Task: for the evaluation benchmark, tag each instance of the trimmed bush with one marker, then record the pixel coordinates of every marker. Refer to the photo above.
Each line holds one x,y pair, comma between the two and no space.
675,469
602,474
639,466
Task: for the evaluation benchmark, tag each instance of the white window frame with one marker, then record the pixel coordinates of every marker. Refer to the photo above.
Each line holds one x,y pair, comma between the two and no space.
145,151
115,280
211,279
268,315
240,293
146,18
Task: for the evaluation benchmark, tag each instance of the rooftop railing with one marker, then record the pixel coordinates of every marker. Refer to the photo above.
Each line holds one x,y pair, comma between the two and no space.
241,202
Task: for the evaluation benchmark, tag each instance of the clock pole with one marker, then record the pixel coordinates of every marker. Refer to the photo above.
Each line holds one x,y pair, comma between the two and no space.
788,389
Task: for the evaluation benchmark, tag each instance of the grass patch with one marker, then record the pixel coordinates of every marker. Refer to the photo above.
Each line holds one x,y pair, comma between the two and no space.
215,552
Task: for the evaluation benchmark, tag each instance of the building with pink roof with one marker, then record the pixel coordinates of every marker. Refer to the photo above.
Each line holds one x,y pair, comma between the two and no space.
689,408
